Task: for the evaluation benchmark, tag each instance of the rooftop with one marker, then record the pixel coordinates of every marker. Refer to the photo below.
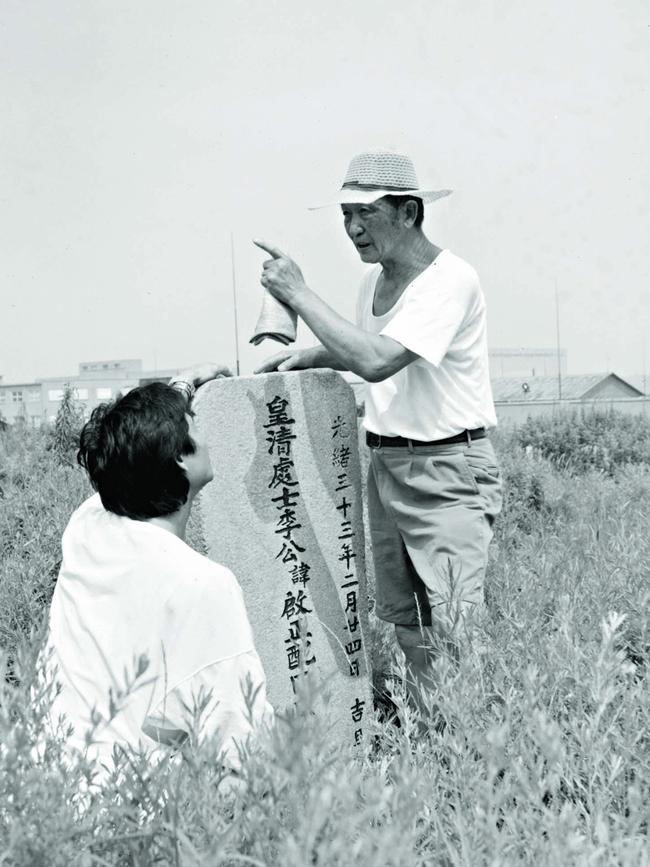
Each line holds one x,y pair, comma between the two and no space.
574,386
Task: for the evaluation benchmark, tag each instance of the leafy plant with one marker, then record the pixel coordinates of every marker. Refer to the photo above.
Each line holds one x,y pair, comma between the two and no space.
67,426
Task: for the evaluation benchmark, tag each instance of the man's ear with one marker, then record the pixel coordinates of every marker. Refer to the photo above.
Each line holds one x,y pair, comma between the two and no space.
410,212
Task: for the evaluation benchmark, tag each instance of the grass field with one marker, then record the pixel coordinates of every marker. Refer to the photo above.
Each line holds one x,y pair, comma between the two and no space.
545,758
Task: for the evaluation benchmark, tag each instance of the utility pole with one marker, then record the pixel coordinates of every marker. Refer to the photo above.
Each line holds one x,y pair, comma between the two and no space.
234,299
557,339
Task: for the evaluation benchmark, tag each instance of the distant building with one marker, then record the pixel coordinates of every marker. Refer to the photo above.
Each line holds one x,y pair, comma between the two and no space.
541,390
526,362
587,387
640,381
34,403
21,401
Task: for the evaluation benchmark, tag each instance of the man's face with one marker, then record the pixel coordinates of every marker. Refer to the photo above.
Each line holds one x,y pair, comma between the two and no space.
373,229
198,467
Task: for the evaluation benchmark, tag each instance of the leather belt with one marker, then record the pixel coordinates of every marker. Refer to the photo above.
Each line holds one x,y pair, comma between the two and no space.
375,441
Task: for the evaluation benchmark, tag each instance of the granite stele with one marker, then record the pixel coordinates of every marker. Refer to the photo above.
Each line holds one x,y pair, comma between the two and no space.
284,513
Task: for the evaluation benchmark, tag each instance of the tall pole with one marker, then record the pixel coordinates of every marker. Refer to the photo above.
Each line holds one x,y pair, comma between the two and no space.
234,299
557,340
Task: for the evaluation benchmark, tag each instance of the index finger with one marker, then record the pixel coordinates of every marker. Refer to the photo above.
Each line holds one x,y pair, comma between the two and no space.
271,364
273,251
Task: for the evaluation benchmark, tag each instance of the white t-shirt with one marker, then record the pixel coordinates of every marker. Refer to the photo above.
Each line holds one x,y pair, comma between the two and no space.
129,588
441,317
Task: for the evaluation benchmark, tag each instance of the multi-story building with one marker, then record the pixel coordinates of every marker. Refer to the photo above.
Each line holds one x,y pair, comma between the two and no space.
35,403
21,400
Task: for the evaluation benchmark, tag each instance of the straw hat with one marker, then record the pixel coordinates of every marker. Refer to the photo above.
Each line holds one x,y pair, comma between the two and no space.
378,173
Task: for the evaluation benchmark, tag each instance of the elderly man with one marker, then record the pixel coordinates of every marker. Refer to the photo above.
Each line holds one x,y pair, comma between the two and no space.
141,626
420,342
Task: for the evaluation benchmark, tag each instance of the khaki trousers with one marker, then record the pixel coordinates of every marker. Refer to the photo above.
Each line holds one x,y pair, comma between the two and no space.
431,513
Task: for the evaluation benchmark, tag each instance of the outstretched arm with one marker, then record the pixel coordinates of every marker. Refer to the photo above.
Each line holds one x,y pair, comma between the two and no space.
199,374
300,359
188,380
373,357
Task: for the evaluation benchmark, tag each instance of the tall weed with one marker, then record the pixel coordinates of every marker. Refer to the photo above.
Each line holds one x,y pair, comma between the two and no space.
37,496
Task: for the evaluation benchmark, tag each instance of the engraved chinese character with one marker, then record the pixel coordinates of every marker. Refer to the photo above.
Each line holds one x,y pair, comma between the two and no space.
293,657
346,530
282,473
341,457
353,646
280,440
353,624
287,524
295,605
347,554
278,412
295,633
300,573
340,427
344,506
357,710
288,553
287,499
343,482
351,601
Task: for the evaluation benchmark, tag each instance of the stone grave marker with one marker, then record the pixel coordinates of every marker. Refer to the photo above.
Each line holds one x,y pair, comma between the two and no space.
284,513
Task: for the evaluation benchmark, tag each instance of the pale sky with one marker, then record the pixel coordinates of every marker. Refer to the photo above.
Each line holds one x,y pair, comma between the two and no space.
136,135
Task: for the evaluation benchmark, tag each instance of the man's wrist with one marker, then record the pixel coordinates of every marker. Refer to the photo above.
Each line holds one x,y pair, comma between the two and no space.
184,386
298,297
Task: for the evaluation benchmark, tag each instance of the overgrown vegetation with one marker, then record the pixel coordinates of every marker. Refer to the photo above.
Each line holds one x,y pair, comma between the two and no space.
545,756
581,441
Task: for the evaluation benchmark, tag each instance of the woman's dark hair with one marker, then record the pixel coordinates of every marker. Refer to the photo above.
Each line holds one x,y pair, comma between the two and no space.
396,201
130,448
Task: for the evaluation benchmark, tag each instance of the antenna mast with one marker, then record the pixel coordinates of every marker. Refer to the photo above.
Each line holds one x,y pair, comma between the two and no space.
234,299
557,338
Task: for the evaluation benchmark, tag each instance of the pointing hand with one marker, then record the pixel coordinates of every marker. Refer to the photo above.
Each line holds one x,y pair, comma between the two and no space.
281,276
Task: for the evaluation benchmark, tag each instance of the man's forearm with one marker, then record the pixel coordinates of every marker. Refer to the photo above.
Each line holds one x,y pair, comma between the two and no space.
301,359
320,356
373,357
345,346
